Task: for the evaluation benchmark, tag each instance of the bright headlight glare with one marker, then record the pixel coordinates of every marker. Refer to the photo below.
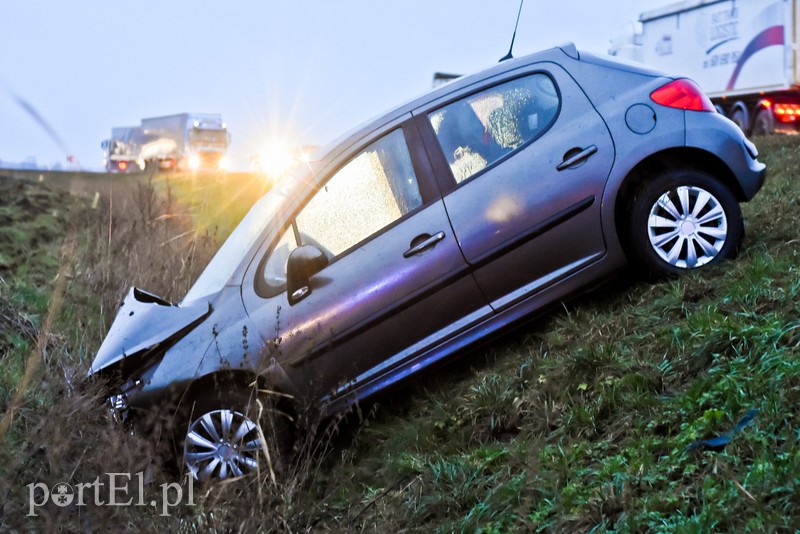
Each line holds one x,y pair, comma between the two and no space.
277,160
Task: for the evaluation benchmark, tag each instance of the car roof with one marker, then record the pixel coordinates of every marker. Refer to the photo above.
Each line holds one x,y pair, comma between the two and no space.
334,148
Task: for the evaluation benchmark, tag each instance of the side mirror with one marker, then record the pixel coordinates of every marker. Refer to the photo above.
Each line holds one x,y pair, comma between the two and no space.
304,262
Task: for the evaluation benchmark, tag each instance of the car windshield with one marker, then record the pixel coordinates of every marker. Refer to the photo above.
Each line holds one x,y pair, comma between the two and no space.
230,255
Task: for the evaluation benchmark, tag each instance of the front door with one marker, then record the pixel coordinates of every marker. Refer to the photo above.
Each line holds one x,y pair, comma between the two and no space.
396,283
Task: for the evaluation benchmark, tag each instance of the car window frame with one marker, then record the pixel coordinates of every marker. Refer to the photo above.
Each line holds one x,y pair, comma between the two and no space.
423,172
444,173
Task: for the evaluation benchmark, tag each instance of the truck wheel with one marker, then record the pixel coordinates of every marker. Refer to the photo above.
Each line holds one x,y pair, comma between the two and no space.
763,124
739,117
682,220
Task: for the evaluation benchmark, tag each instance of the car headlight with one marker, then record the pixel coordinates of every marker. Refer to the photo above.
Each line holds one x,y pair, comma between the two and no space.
224,163
194,162
118,402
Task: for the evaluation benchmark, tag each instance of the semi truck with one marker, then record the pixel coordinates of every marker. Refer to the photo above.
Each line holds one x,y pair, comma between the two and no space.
743,53
185,141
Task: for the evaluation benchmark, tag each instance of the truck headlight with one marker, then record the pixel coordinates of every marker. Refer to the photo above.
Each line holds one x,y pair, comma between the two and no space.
194,162
224,163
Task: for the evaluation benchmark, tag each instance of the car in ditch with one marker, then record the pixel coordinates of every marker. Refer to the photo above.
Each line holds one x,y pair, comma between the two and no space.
438,224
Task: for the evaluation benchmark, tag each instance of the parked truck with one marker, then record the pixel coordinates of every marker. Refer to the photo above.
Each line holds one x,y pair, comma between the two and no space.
743,53
186,141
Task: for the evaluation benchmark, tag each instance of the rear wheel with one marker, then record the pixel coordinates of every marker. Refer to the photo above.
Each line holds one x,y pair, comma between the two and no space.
763,124
682,220
739,117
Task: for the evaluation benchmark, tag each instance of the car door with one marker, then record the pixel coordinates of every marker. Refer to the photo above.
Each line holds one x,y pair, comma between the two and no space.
523,165
396,283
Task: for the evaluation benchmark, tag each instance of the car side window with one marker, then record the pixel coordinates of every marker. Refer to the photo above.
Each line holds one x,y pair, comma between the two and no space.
375,188
478,130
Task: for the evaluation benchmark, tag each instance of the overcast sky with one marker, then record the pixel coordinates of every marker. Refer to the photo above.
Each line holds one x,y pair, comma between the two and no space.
297,71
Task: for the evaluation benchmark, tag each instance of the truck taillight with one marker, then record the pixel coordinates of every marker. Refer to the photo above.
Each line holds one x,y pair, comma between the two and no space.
786,112
682,94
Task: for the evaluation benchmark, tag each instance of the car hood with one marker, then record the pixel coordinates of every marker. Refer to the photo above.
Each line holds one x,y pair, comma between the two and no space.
143,321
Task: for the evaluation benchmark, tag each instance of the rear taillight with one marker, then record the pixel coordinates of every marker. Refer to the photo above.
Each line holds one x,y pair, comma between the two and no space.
786,112
682,94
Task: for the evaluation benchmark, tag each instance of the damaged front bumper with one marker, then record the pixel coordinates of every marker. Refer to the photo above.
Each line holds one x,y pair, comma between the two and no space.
145,327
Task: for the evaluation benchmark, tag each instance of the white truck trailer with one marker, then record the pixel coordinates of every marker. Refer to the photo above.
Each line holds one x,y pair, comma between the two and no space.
743,53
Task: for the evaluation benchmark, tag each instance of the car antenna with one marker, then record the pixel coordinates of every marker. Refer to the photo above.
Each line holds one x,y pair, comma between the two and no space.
514,36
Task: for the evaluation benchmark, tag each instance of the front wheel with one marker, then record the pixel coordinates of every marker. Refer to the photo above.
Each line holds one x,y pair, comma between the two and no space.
232,436
221,443
682,220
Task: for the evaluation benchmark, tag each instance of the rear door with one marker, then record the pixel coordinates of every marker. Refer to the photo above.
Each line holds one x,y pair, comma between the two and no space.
522,166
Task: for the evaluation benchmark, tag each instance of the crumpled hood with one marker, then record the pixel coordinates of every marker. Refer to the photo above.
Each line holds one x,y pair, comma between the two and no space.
143,321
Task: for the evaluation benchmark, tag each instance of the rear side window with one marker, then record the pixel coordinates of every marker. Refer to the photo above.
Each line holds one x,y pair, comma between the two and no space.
479,130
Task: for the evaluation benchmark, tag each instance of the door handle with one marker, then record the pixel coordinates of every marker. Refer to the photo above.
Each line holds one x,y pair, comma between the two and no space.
574,156
418,246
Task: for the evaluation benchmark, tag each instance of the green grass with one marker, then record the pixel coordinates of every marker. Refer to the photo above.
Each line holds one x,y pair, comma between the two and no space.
33,224
215,202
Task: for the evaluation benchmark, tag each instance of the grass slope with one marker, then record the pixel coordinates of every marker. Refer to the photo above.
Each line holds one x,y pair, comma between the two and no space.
577,422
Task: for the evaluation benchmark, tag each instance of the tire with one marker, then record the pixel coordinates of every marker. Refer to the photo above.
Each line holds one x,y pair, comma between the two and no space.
682,220
763,124
222,437
739,117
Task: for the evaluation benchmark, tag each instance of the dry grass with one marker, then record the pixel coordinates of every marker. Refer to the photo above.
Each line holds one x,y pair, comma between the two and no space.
62,431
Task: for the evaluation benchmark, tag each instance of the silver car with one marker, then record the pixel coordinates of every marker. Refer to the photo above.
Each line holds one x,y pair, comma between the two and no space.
431,227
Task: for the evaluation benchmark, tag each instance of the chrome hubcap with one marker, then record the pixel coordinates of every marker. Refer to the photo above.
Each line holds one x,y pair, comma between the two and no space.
687,227
221,444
